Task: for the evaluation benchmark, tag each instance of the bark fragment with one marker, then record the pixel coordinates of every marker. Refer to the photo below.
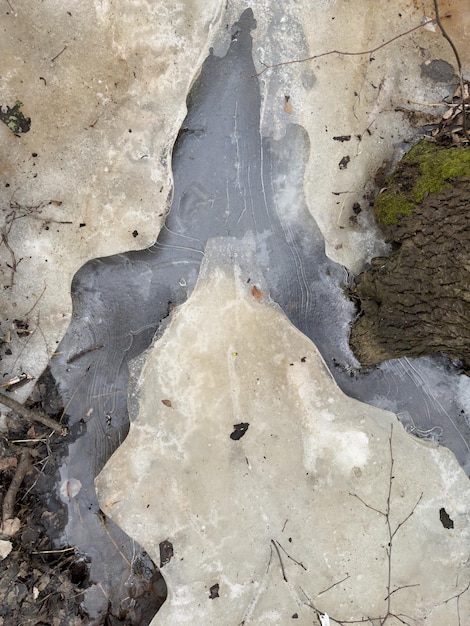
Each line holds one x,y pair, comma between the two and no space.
416,302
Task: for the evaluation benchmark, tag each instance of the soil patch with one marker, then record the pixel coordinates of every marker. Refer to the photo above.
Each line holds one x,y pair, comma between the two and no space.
39,584
42,584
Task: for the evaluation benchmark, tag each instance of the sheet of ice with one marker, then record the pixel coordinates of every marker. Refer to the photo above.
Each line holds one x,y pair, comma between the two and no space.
239,167
229,180
79,184
265,493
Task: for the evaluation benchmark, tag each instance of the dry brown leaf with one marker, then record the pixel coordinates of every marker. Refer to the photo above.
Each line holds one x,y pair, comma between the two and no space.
255,292
167,403
449,113
8,463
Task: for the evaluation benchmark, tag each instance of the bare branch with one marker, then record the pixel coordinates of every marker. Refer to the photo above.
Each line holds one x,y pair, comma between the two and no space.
459,65
290,557
22,469
401,587
30,415
344,53
408,516
280,559
333,585
354,495
37,300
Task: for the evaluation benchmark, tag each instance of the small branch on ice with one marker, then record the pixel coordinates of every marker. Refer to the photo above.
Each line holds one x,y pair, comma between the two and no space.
344,53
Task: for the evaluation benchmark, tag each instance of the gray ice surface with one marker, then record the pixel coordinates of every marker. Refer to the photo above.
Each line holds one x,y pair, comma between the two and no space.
228,181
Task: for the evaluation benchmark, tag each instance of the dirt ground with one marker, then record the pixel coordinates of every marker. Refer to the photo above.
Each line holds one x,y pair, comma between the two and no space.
39,585
42,582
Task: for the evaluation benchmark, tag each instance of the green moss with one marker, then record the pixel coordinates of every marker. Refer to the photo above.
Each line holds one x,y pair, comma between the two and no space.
427,168
14,118
390,207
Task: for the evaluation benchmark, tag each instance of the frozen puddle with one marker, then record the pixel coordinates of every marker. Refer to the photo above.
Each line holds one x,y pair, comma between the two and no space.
244,189
265,493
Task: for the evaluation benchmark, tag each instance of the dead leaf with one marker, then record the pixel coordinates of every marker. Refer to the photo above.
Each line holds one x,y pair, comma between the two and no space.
8,463
256,293
166,552
10,526
343,164
167,403
449,113
287,104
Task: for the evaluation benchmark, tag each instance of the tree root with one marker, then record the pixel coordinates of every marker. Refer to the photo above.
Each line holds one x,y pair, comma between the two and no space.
22,469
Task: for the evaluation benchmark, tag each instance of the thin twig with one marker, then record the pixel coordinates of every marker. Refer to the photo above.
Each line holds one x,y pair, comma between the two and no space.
389,549
343,53
407,517
333,585
96,346
106,529
372,508
22,469
280,559
54,551
401,587
290,557
37,300
59,53
14,262
457,597
30,415
459,65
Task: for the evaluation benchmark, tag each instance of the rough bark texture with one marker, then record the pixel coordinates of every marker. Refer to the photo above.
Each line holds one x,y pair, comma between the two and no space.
417,301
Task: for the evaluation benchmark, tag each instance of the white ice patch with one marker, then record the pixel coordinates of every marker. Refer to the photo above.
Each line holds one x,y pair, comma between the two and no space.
326,437
70,488
345,449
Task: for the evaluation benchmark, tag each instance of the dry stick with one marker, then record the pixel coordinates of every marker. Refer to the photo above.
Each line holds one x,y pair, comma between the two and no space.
289,556
54,551
105,526
34,305
340,52
9,502
457,597
30,415
59,53
280,560
333,585
459,65
14,263
391,535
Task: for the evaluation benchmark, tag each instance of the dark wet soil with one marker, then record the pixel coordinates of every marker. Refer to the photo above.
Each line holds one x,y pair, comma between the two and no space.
40,583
